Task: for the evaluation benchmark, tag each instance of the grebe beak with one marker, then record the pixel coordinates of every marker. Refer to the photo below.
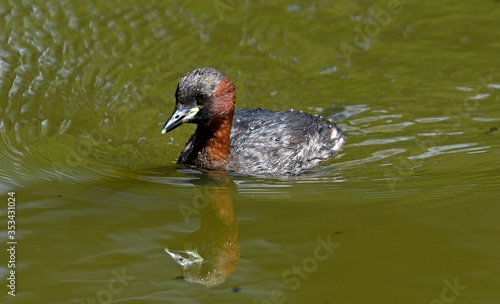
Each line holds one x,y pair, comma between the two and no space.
179,117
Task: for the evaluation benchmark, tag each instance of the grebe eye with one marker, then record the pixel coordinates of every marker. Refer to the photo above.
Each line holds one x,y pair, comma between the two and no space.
201,98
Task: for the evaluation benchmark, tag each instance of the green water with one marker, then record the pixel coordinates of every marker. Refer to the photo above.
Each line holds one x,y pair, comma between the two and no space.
407,212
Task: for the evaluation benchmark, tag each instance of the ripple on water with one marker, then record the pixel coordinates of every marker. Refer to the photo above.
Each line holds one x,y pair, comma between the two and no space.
333,114
373,118
376,156
432,119
370,142
388,128
449,149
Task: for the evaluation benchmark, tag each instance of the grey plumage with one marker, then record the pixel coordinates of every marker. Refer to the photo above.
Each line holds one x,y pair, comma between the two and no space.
265,142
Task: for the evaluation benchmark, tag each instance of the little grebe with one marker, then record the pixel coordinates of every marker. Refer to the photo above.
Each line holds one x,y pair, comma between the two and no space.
248,141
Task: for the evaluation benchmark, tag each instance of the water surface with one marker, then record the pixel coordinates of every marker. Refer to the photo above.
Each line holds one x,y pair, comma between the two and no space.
408,207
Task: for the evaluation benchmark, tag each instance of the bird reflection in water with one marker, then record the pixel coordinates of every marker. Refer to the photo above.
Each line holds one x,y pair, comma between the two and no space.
211,253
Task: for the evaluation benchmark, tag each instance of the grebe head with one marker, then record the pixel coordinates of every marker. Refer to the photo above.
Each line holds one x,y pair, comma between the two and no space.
204,97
